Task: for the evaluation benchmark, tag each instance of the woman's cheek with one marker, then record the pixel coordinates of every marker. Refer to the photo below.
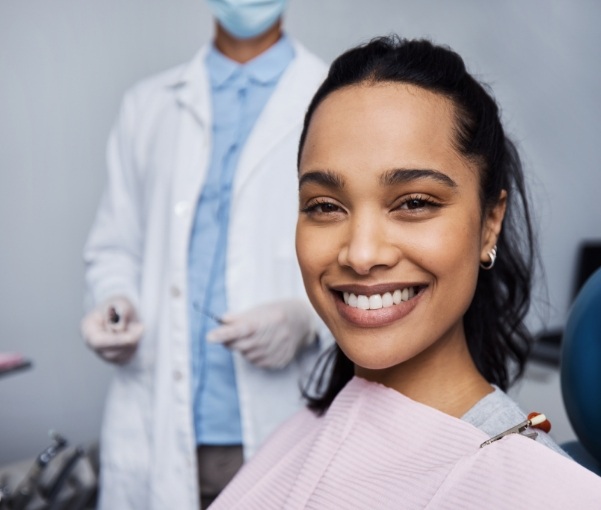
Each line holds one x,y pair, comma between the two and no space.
446,245
308,252
315,255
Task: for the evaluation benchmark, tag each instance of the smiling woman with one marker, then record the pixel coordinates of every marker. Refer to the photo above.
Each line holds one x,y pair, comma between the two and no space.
408,187
416,127
405,224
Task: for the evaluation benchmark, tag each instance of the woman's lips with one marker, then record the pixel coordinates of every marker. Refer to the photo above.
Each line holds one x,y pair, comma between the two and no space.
373,318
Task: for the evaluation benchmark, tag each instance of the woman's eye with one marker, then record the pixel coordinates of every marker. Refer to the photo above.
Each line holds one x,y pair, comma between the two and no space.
326,208
417,203
322,208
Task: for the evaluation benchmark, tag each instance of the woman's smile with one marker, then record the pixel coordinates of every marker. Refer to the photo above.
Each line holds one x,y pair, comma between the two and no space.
378,305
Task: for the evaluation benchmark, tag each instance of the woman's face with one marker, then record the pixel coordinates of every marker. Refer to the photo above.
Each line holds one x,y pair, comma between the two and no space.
390,233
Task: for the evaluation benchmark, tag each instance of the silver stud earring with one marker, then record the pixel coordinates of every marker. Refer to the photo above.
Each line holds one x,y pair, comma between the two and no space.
493,256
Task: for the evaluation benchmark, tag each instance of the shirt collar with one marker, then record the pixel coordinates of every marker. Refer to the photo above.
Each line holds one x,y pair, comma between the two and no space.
265,68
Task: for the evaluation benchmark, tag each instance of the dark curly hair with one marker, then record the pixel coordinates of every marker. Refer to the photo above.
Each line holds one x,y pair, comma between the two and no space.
497,337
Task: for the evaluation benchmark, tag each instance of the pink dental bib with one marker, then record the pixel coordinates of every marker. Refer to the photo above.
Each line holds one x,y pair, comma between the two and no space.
377,449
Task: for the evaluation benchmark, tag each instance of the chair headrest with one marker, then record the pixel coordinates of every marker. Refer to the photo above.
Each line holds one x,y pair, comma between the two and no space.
581,365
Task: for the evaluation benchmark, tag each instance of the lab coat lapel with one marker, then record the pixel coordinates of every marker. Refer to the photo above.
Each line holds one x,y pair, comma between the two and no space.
192,92
283,112
192,89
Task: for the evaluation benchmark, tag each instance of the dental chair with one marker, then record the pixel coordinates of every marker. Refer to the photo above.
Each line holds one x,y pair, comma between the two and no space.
581,374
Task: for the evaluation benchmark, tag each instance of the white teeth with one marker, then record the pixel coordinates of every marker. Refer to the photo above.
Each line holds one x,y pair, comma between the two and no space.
363,302
376,301
387,300
405,294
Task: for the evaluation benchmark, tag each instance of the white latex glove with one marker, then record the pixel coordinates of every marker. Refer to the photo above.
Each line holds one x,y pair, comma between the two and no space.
113,330
270,335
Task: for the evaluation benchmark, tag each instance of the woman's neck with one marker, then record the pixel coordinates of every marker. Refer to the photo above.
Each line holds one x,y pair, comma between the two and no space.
447,380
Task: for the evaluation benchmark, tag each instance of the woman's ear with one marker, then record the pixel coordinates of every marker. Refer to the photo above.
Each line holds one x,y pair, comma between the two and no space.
491,227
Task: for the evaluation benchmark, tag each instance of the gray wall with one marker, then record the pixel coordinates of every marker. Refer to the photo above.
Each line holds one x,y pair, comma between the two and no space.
64,65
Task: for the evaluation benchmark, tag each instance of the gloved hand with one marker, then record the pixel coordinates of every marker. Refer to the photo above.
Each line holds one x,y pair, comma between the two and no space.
270,335
113,330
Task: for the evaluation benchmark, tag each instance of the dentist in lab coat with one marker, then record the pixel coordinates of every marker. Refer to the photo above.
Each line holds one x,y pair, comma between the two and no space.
191,268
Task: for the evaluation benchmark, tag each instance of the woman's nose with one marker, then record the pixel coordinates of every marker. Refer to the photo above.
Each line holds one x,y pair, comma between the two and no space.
367,246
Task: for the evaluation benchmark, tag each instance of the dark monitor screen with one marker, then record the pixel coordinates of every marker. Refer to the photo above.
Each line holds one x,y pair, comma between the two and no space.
589,261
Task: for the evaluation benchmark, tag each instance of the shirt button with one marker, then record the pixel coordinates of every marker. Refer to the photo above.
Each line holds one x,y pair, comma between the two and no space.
182,208
175,292
177,375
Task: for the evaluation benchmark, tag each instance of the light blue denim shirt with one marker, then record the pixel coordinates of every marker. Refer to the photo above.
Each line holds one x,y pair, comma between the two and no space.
238,95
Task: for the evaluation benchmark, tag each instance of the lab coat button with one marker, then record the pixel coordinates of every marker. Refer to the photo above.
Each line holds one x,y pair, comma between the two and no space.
182,208
177,375
175,292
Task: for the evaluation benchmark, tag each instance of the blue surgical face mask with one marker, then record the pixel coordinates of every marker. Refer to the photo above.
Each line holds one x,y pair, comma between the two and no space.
245,19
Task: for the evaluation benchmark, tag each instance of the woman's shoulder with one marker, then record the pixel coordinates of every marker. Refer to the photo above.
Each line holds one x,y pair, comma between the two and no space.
497,412
516,472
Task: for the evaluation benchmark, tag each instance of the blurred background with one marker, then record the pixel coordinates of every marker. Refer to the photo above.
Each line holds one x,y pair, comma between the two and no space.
64,65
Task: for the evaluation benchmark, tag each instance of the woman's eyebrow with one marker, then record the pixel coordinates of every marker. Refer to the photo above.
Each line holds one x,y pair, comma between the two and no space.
404,175
323,177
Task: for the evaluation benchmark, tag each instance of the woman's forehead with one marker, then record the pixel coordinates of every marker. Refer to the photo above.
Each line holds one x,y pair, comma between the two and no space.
386,125
378,97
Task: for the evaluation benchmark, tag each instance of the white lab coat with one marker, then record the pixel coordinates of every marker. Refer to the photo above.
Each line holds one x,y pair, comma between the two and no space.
157,159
